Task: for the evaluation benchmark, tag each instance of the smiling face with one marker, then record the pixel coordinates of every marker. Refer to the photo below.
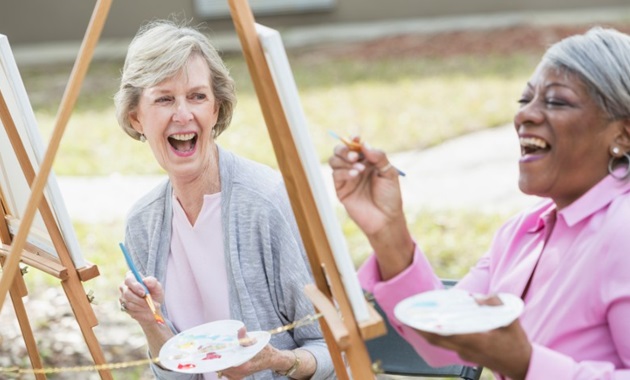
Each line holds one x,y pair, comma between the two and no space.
177,116
564,135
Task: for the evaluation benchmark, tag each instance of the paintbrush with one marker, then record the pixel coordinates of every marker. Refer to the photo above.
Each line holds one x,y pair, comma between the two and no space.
136,274
355,146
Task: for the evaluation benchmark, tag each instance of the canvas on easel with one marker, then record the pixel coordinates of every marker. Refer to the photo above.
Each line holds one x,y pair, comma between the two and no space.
44,240
13,183
348,319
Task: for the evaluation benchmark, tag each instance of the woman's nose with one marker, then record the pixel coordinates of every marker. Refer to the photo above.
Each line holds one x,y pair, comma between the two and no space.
182,114
530,113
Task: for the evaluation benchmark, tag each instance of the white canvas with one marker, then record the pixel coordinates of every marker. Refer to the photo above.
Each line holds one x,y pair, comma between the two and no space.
13,184
278,62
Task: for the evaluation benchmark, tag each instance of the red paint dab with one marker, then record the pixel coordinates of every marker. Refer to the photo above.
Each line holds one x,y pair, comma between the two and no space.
212,355
185,366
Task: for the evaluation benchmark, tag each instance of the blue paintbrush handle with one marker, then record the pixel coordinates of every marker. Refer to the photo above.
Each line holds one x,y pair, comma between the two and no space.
132,267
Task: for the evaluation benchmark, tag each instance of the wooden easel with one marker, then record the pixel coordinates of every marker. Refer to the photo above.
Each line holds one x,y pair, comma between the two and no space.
342,332
15,248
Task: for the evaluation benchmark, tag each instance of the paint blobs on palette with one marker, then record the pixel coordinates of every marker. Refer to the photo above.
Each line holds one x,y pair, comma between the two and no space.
204,343
186,366
186,346
211,356
455,311
210,347
216,347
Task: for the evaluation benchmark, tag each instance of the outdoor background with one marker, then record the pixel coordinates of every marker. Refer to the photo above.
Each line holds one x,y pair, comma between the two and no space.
402,93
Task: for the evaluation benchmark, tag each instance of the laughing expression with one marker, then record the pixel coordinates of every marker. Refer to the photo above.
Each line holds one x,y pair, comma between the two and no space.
177,116
564,137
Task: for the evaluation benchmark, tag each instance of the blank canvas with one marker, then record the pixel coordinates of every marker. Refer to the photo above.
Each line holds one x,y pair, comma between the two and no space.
13,184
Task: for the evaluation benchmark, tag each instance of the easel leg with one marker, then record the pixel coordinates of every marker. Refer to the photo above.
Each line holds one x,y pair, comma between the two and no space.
335,352
17,292
86,319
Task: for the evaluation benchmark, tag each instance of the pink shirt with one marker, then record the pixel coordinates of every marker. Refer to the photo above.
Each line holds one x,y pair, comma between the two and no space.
577,308
196,286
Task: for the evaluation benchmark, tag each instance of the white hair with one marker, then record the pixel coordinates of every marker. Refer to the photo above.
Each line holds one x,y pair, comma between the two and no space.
601,58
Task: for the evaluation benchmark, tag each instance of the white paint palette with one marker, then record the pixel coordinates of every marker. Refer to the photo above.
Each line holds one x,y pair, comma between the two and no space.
455,311
210,347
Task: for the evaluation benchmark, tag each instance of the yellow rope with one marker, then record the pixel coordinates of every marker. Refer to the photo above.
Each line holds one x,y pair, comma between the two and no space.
99,367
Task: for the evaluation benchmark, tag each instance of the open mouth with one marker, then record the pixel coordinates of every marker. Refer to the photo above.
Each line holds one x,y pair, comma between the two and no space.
533,145
183,142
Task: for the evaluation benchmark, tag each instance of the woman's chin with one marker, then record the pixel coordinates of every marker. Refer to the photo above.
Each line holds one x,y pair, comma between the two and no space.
527,186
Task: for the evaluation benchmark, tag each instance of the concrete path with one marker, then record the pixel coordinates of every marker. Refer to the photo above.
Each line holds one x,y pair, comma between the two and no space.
478,171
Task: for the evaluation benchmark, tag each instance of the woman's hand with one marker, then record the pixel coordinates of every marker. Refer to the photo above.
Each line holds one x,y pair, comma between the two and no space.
133,303
132,298
506,350
270,358
367,185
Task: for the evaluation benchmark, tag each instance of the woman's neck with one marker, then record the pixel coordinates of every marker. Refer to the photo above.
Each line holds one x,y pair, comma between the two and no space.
190,191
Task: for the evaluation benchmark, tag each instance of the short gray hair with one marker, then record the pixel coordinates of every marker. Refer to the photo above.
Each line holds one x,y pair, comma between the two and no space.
160,50
601,58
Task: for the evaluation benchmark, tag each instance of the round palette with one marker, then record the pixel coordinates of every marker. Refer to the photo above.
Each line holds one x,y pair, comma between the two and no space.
210,347
455,311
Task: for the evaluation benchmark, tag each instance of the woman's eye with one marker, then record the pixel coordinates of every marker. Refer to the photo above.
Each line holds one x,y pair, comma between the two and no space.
522,101
555,102
163,99
199,96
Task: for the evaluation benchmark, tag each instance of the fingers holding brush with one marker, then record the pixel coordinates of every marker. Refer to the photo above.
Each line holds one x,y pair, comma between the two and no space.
134,277
138,300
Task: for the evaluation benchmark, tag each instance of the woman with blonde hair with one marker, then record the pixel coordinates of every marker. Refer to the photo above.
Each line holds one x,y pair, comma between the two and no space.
217,239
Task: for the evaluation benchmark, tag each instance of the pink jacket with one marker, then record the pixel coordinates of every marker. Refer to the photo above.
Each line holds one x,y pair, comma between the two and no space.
577,308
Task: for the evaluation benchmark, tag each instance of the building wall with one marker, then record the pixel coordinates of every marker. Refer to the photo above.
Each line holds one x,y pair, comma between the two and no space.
44,21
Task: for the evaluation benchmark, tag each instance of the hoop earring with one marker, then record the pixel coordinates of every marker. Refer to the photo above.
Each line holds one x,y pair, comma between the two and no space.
611,166
142,138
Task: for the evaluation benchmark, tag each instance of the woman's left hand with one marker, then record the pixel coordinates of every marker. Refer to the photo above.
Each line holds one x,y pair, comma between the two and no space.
258,363
506,350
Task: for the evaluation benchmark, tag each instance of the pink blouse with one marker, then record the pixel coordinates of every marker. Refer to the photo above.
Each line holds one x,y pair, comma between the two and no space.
196,285
577,306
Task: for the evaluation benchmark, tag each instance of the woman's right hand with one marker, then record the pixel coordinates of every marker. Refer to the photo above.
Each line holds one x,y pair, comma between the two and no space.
132,301
132,295
367,185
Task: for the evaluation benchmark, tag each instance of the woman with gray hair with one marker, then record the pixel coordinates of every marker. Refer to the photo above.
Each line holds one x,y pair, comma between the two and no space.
217,239
566,258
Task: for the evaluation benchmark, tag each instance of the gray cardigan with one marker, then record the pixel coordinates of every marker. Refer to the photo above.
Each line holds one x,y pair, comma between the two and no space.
266,262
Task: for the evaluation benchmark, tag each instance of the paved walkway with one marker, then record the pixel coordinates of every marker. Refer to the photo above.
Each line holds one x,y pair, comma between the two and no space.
477,171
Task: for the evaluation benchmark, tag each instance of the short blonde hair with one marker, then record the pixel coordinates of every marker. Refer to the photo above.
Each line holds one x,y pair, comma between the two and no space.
159,51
